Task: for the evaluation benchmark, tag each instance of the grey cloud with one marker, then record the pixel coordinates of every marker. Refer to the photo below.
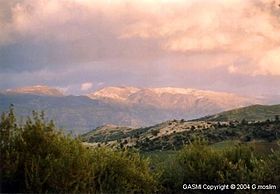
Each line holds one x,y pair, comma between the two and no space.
65,43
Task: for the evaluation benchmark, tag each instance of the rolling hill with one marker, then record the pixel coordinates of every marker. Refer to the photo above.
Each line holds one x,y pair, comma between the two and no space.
250,113
173,134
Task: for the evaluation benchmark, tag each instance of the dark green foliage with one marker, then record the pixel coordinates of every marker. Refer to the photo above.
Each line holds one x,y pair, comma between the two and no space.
277,118
37,158
199,163
121,172
244,122
273,167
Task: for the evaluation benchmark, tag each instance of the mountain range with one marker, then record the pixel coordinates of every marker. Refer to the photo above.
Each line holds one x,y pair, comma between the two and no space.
123,106
35,90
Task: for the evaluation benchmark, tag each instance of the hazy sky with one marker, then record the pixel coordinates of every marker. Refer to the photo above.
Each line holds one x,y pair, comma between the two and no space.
82,45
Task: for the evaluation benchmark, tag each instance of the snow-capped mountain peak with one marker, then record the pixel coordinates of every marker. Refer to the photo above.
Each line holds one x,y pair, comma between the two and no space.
36,90
173,98
115,93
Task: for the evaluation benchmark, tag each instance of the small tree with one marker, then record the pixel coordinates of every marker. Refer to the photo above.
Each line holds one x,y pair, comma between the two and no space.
277,118
155,132
192,128
244,122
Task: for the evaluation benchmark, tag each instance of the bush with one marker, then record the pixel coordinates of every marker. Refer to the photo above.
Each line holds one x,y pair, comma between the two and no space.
37,158
198,163
271,169
121,172
155,132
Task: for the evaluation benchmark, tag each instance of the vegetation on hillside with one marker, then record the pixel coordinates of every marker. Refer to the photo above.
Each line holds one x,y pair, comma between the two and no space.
37,158
249,113
173,135
199,163
268,131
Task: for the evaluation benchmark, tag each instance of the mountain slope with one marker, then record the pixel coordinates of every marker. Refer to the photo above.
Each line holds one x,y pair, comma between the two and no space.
250,113
114,93
179,100
80,113
174,134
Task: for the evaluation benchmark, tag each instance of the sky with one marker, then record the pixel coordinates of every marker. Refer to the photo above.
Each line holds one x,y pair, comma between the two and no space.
83,45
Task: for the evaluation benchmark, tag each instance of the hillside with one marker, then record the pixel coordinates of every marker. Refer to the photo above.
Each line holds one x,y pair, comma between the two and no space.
113,135
250,113
80,113
173,134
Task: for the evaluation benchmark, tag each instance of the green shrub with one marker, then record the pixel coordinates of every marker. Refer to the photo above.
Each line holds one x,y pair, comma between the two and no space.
199,163
271,169
37,158
121,172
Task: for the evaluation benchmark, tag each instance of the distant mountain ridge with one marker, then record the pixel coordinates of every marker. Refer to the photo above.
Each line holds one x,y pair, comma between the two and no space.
123,106
113,93
36,90
174,98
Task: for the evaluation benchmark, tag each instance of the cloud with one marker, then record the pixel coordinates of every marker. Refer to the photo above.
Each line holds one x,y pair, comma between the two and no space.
86,86
85,30
270,62
246,29
54,34
175,42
